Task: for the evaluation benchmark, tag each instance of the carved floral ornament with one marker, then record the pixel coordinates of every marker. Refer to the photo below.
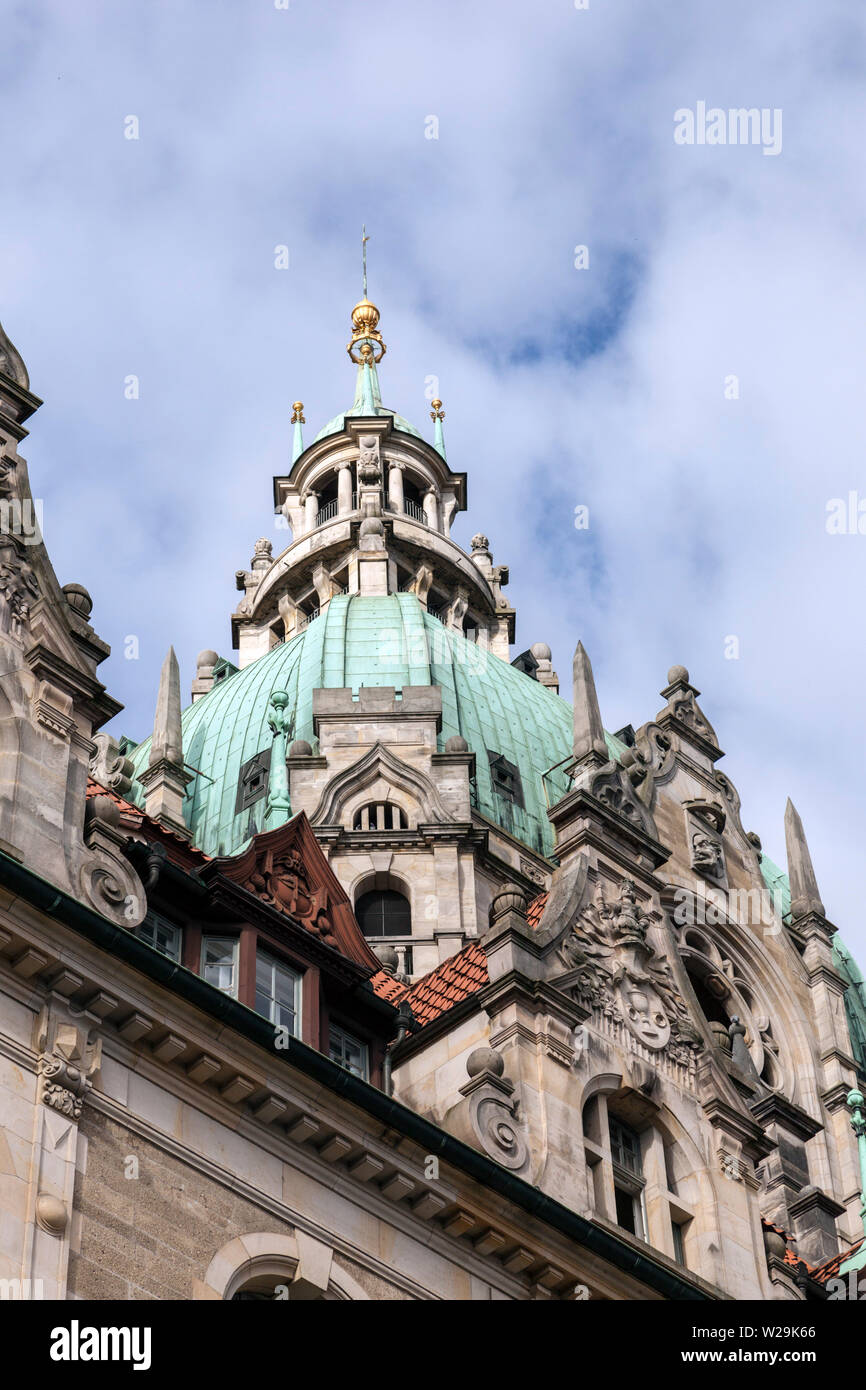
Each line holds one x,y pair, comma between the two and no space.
618,972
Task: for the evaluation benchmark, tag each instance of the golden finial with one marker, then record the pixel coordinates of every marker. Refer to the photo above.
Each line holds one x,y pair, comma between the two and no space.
365,319
298,416
437,413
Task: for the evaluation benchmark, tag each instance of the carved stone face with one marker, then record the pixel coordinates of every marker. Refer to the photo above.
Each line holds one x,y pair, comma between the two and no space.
644,1014
706,854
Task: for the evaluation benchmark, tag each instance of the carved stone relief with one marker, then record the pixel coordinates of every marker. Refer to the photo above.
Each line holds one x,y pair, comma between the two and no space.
614,968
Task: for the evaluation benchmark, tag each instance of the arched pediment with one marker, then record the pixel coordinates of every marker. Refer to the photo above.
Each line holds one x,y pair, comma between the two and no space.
416,793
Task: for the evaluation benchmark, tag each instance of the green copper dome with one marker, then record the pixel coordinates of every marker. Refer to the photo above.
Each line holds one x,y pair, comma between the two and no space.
367,402
390,641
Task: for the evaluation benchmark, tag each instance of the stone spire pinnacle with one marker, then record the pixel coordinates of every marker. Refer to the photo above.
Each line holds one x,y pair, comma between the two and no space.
589,740
298,436
167,740
801,875
165,779
437,415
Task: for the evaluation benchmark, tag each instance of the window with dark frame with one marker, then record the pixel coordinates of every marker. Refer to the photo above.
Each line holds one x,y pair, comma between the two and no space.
505,777
253,780
161,934
384,912
349,1052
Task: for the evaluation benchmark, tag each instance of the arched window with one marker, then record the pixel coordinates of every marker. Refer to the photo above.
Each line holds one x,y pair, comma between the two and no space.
384,912
628,1152
380,815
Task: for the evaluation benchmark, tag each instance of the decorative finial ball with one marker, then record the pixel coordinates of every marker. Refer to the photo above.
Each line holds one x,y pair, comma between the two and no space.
388,958
206,659
103,808
297,406
678,674
456,744
508,899
372,526
263,546
78,598
437,404
479,542
855,1100
541,651
485,1059
365,316
279,699
300,749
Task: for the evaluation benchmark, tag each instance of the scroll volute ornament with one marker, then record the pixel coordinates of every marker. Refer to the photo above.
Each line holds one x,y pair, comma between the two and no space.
70,1057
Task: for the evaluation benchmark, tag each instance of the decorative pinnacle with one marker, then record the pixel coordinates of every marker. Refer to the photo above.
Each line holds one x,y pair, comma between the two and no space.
367,346
437,413
298,413
167,739
589,740
804,886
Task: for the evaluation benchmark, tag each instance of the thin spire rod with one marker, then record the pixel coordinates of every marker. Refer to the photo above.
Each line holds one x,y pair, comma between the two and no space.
364,240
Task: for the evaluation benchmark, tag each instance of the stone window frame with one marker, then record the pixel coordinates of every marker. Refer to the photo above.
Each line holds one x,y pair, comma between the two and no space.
661,1207
308,1264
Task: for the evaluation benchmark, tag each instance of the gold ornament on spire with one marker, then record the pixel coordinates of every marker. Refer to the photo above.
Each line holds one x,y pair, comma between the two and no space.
367,345
437,413
298,413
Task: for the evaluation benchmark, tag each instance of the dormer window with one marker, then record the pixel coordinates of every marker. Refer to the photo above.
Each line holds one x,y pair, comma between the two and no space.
253,780
505,777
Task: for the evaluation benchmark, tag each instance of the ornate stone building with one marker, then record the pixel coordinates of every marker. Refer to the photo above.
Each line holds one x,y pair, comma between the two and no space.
381,971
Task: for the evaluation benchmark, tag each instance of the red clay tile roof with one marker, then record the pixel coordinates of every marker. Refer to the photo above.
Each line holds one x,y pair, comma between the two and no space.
535,910
448,984
830,1268
95,789
820,1273
140,818
451,982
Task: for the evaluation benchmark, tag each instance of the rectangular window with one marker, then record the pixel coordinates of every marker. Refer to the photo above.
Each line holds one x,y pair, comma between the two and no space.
219,956
278,993
349,1052
629,1211
679,1244
161,935
625,1147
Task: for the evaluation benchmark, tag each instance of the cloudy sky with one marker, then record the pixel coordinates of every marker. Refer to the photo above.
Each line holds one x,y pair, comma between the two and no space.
607,386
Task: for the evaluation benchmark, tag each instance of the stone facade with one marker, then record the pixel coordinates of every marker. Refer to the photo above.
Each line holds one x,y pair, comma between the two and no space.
607,1056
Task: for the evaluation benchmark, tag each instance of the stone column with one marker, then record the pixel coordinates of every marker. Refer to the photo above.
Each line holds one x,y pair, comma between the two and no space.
431,509
395,486
311,508
344,488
